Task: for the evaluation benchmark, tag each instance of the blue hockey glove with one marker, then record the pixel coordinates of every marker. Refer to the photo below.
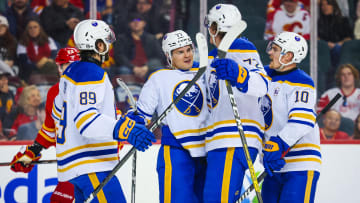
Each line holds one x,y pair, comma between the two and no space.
136,134
228,69
273,154
136,116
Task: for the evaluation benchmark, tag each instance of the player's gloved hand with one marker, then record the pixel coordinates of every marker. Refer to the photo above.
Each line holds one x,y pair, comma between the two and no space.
136,134
273,151
136,116
228,69
22,160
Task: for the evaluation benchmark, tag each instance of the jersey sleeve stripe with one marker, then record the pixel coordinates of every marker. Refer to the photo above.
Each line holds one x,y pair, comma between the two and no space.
87,125
303,115
81,112
301,109
56,112
103,144
83,119
46,137
302,160
47,128
302,122
303,152
304,145
87,154
143,112
61,170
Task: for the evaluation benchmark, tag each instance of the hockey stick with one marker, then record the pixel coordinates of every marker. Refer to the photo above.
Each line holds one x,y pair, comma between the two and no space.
234,32
264,174
133,104
203,50
34,162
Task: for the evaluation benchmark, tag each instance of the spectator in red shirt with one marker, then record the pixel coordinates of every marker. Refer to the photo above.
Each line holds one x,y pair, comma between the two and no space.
330,131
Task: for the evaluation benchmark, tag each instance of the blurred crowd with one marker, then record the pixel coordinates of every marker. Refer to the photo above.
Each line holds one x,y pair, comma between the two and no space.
32,31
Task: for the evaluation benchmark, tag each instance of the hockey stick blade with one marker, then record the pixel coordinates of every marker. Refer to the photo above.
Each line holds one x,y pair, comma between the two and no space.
203,50
34,162
264,174
123,85
230,36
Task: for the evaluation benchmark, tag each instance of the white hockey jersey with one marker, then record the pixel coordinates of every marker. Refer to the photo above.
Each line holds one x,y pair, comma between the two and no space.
348,106
84,114
184,126
222,128
288,109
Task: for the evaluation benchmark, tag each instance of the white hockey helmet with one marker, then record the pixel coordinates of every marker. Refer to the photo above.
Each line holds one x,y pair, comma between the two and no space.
224,15
87,32
174,40
292,42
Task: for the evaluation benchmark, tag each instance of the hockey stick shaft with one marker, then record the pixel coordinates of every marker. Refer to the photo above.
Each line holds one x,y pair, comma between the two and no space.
264,174
133,105
34,162
158,121
222,50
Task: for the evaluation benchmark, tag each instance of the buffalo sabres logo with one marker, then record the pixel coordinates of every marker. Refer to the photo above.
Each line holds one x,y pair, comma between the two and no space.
214,89
191,104
266,103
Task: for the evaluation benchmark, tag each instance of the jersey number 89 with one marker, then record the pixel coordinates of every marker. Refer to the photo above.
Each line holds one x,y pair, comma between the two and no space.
87,98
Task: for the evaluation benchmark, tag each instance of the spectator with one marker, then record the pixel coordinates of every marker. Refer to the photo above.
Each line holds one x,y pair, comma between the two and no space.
59,20
29,101
137,52
331,131
39,5
289,17
6,96
347,81
36,51
28,131
356,135
18,15
333,28
7,47
121,11
155,21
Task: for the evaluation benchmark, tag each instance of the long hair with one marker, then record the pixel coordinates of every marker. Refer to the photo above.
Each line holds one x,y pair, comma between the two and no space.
334,4
40,40
9,42
356,129
354,71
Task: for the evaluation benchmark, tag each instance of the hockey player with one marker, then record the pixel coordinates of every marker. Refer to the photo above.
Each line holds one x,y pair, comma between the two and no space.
225,157
46,135
84,113
181,160
291,131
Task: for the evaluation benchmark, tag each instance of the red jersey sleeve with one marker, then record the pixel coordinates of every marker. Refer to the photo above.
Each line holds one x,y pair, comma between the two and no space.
46,135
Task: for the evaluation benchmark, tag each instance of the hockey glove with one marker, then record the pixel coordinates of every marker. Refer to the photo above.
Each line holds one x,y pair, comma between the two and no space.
22,160
136,116
136,134
274,150
228,69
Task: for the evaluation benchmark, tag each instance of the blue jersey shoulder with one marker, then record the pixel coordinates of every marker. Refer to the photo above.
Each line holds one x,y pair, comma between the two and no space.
81,71
213,53
295,76
242,44
196,64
